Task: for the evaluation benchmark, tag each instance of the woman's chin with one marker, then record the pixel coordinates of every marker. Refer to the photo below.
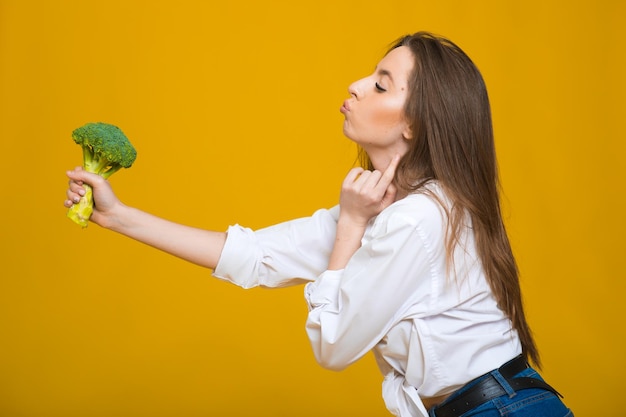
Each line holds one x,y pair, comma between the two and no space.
347,133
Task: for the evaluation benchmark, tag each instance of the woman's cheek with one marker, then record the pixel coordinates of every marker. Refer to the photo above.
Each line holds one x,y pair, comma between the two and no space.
390,115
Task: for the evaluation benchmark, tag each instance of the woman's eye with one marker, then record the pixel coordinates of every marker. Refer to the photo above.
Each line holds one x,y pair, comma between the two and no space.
379,88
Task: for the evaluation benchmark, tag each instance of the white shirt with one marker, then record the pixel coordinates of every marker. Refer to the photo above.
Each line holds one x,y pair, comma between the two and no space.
431,331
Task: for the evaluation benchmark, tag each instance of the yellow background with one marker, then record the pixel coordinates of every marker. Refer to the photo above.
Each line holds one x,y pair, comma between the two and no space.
233,107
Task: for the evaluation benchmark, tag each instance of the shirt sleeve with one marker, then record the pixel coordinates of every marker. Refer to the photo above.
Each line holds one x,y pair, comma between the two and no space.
351,310
286,254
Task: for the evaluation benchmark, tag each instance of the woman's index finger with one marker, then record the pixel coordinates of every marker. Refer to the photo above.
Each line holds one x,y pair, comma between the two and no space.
390,172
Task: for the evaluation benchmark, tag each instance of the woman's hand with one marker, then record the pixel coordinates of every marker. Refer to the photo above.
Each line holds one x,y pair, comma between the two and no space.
202,247
105,200
364,194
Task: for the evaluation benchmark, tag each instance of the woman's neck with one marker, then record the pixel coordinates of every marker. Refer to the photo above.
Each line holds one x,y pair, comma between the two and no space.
381,159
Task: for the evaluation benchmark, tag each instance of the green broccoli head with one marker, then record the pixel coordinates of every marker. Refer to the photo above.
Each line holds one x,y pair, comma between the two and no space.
105,150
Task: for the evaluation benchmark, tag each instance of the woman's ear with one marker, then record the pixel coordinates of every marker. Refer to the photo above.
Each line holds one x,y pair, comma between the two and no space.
407,133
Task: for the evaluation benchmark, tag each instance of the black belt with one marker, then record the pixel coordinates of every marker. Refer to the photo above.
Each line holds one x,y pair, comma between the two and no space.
489,388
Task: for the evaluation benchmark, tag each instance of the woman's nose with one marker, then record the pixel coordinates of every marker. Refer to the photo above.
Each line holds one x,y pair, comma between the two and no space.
355,89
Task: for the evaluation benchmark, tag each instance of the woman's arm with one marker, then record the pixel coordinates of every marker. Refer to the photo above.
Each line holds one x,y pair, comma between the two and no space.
201,247
364,194
398,267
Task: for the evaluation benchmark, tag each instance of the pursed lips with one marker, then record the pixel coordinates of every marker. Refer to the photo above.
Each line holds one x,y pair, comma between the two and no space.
345,107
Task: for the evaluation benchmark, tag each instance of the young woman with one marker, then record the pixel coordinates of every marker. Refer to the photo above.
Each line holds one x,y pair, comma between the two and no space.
414,263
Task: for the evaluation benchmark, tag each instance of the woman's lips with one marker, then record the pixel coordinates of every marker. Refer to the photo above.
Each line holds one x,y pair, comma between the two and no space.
345,107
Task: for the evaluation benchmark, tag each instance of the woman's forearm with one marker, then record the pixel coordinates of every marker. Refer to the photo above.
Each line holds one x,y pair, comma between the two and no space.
201,247
364,194
347,242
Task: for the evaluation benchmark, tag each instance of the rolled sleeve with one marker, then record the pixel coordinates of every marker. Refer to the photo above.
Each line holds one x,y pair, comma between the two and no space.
239,262
323,291
285,254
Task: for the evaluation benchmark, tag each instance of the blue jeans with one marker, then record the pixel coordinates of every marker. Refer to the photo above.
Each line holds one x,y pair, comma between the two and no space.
524,403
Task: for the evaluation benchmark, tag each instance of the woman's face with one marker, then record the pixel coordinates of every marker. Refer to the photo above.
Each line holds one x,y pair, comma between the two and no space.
374,113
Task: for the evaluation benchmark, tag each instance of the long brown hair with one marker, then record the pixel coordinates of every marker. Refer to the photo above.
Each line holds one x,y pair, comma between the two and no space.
448,108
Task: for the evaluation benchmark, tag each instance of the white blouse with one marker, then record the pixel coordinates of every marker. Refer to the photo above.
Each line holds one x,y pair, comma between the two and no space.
432,326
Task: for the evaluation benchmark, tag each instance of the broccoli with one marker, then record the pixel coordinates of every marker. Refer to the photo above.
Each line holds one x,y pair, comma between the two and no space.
105,151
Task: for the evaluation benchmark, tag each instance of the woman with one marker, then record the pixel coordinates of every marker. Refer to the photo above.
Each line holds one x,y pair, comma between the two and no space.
414,263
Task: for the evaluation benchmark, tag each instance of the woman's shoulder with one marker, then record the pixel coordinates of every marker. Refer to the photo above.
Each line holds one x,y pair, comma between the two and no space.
428,201
421,207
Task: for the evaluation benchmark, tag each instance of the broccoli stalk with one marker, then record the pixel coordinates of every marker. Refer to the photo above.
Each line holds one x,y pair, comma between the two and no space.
105,151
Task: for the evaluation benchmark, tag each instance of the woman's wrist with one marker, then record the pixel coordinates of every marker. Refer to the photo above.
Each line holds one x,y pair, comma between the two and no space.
116,218
352,222
347,241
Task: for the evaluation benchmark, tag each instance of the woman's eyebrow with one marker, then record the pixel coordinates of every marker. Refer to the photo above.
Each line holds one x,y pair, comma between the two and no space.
384,73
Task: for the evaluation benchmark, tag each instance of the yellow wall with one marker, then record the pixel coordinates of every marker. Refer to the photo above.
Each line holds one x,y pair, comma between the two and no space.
233,107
